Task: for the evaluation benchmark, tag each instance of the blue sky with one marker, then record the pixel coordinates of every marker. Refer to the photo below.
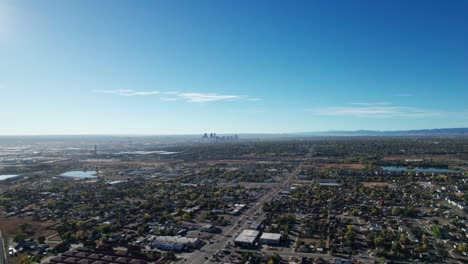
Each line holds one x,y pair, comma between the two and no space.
178,67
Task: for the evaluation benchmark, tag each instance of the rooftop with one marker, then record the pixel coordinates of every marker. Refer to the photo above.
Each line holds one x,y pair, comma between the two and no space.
271,236
247,236
176,239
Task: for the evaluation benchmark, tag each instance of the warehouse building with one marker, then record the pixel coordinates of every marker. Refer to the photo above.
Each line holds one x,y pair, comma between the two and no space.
272,239
175,243
247,238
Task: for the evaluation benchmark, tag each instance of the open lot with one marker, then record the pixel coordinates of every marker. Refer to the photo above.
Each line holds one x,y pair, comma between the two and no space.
356,166
376,184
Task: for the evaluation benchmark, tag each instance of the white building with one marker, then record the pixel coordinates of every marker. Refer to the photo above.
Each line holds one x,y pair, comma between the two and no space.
247,238
176,243
272,239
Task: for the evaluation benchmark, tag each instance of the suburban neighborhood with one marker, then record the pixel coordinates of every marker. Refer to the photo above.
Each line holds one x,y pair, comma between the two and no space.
238,202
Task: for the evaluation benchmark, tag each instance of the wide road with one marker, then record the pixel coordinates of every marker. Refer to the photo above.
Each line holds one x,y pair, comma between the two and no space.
2,250
239,223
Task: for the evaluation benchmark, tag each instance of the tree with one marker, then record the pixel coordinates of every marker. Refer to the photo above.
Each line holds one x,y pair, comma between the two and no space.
24,259
170,255
463,247
322,243
333,249
275,259
79,234
349,233
25,226
374,211
424,239
20,237
80,224
186,216
41,240
36,217
147,216
437,231
410,211
378,241
404,239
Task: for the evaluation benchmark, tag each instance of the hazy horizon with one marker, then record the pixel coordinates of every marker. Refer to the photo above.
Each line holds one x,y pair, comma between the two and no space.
299,133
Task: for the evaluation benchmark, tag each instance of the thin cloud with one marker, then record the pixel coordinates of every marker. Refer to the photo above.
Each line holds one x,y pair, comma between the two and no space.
127,92
201,97
133,93
191,97
171,92
377,112
212,97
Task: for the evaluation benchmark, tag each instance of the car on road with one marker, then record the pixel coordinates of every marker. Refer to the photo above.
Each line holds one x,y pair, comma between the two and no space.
12,251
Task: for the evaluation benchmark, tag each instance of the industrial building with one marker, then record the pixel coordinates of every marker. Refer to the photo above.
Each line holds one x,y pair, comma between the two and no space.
255,225
247,238
87,255
175,243
327,182
237,208
272,239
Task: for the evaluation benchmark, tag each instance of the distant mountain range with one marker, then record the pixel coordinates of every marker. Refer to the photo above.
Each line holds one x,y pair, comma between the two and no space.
189,137
421,132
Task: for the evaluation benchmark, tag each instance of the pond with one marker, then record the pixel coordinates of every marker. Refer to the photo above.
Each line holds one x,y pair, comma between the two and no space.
140,152
80,174
417,169
4,177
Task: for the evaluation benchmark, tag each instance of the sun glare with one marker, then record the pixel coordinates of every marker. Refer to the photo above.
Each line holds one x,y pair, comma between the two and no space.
6,20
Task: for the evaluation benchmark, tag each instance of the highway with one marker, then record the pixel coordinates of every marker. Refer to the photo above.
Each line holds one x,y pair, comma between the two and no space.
2,250
241,222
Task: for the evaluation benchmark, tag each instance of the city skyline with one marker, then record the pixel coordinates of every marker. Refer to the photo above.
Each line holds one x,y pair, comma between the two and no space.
180,67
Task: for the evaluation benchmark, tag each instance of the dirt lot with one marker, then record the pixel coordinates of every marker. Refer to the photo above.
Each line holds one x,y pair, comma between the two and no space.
376,184
124,164
231,162
251,185
400,157
355,166
10,226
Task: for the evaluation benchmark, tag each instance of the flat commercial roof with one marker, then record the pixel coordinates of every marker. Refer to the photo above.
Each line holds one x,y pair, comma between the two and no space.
247,236
248,232
255,225
245,239
176,239
271,236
